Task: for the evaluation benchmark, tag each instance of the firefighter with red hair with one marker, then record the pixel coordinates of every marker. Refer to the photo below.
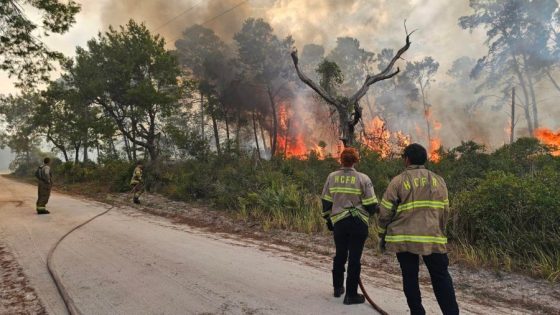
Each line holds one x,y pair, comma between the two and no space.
348,201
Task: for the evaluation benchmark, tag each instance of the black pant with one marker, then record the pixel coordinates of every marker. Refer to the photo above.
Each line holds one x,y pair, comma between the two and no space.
349,237
441,282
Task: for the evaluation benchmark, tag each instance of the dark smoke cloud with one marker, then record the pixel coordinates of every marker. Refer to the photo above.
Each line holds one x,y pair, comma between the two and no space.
162,15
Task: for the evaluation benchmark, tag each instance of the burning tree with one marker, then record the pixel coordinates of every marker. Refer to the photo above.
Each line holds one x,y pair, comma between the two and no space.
348,108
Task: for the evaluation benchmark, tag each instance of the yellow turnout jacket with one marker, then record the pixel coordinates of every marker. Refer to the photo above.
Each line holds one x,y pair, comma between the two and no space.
414,211
350,192
136,176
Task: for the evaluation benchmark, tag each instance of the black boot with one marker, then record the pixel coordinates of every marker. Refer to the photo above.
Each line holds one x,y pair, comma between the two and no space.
136,200
357,299
44,211
338,292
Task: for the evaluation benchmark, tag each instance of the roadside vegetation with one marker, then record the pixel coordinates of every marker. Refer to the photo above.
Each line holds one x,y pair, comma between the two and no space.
506,213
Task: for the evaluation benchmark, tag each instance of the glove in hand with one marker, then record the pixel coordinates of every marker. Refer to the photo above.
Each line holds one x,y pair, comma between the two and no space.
330,225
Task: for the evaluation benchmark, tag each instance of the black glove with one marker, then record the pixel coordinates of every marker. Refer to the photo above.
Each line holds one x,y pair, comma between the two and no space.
372,209
330,225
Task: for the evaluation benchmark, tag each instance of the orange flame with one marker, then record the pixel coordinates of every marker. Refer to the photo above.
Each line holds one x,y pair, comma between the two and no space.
290,141
292,146
435,145
549,138
435,141
377,137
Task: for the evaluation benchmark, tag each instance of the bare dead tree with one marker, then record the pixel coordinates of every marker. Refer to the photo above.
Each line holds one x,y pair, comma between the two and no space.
348,109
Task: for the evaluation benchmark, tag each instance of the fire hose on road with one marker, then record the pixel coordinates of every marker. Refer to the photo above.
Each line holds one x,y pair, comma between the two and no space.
74,310
68,302
375,306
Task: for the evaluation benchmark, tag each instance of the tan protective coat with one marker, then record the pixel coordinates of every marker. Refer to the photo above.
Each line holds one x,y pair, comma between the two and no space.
346,189
414,211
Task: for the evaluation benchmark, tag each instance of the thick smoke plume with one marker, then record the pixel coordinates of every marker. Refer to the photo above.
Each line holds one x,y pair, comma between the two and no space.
377,25
163,16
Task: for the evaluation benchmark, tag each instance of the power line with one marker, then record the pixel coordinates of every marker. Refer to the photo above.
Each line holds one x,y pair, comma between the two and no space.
178,15
205,22
225,12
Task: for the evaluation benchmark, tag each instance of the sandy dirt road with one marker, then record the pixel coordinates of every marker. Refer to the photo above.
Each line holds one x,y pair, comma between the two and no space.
127,262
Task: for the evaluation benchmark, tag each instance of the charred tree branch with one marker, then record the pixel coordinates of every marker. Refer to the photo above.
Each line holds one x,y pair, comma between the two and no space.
317,88
383,75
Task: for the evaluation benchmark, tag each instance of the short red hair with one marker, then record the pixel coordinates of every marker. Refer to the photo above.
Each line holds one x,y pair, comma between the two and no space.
349,157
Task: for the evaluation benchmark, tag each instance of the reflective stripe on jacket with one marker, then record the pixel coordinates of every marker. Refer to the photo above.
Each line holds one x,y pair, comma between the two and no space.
414,211
349,191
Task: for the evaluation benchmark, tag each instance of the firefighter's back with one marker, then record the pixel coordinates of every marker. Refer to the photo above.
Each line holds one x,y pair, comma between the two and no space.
419,219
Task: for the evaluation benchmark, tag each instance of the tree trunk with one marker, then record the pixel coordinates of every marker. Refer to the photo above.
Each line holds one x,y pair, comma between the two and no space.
85,152
152,137
77,153
525,95
216,134
532,93
202,115
274,122
113,147
534,103
265,148
65,154
512,130
98,149
347,134
255,133
152,151
59,146
127,148
270,140
238,132
287,138
426,112
226,120
134,149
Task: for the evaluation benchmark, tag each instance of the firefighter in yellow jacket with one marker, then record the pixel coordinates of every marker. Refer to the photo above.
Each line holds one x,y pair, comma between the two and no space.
348,201
412,219
44,181
137,182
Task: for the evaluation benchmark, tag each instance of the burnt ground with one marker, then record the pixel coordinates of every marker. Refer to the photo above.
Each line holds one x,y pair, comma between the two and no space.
482,286
16,295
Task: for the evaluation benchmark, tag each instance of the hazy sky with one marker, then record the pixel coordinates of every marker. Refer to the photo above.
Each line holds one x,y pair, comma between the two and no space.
5,159
377,24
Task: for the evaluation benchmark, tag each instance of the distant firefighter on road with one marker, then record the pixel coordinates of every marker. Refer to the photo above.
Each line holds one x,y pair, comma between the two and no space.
44,180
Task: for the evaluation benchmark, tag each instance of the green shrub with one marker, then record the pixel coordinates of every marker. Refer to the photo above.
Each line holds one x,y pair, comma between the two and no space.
518,217
506,206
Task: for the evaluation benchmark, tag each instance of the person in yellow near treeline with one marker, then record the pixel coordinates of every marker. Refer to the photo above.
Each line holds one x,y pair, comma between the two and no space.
44,185
412,219
348,201
137,182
